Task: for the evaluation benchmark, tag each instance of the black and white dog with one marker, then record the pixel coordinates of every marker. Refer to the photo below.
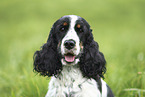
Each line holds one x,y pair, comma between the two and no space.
72,58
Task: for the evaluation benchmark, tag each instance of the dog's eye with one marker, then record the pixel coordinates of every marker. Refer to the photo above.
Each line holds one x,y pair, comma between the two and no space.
62,29
80,30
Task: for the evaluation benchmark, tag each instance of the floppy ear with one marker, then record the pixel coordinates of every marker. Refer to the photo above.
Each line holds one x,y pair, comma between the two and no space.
47,60
92,61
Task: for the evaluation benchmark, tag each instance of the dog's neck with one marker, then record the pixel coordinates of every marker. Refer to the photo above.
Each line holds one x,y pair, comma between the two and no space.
70,74
71,82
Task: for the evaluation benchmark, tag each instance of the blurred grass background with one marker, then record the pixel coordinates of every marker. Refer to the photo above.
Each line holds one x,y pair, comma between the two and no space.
118,26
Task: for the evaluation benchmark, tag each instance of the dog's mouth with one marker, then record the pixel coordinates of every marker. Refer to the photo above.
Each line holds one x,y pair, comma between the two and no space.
69,57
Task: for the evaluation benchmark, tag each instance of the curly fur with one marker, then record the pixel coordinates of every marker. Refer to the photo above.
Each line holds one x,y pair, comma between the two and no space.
47,60
92,62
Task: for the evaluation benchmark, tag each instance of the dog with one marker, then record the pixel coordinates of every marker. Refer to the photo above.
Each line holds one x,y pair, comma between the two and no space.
72,59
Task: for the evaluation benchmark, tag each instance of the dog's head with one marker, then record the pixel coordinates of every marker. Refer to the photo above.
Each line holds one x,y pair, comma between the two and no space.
70,42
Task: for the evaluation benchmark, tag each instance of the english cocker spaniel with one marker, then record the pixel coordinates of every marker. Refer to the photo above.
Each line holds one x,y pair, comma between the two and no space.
72,59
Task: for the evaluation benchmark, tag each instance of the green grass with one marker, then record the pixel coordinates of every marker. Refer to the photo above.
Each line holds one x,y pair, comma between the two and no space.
118,26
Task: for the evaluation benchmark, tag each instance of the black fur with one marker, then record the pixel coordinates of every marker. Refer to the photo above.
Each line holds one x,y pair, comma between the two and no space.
92,62
47,60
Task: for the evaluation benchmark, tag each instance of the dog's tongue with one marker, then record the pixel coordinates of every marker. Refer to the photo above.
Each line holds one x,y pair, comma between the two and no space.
69,58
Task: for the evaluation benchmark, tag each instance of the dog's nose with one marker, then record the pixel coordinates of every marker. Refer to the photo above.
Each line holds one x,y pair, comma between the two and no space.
69,44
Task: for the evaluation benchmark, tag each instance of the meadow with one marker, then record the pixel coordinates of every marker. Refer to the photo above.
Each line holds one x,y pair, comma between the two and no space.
118,26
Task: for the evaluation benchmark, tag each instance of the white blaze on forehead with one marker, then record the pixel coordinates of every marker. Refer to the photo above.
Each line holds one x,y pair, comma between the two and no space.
71,34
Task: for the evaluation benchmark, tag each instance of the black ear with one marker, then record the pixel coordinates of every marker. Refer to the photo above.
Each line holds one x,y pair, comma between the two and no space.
92,61
47,60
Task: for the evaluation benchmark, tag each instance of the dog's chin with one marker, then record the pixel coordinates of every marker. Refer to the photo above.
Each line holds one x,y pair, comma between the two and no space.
69,59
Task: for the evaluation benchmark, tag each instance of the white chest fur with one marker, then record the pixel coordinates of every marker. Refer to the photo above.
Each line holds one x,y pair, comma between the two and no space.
71,83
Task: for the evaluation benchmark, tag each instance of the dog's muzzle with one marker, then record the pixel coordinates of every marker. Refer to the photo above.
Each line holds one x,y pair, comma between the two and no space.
69,55
70,52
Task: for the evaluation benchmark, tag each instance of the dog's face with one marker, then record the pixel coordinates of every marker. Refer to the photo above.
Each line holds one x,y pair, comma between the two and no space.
70,32
70,42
